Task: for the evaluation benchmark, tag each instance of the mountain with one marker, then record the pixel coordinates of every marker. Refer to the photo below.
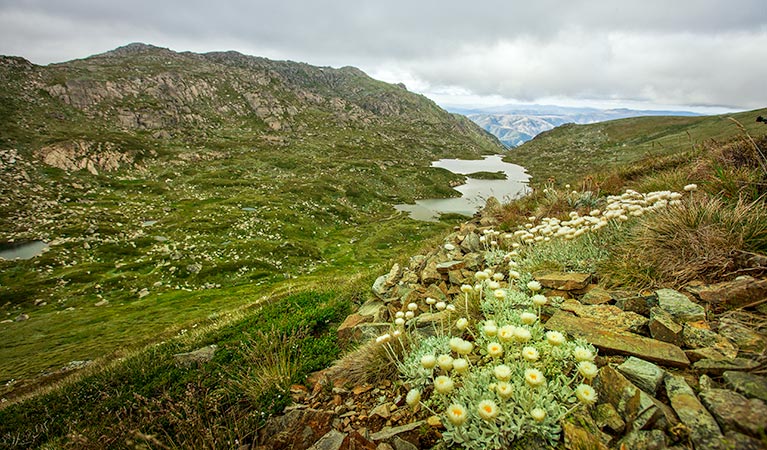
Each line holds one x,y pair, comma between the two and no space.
172,187
516,124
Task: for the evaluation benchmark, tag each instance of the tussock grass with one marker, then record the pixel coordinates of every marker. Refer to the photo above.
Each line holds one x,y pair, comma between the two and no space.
694,240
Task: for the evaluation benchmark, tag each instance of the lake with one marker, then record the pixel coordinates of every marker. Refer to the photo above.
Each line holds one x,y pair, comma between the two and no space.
474,192
22,250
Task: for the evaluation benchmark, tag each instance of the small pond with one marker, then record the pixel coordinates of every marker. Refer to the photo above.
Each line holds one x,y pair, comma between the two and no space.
475,191
22,250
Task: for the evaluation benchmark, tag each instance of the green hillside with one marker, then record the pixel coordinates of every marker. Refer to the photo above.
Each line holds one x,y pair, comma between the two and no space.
570,152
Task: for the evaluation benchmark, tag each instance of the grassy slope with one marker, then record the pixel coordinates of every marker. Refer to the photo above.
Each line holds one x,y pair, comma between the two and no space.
241,209
570,152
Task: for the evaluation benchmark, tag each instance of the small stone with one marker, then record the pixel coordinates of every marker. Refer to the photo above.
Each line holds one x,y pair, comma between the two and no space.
143,293
564,281
645,375
21,317
679,306
663,327
645,440
401,444
393,276
332,440
745,339
580,438
698,335
705,353
379,287
705,383
738,441
429,274
381,410
607,417
471,244
640,304
196,357
347,331
597,296
447,266
702,425
435,422
717,368
387,433
748,384
101,303
735,412
610,316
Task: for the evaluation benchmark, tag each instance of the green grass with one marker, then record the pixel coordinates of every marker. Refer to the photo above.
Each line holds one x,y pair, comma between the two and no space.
182,407
570,152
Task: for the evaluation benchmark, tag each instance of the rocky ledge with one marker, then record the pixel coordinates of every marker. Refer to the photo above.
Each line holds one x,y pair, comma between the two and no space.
671,375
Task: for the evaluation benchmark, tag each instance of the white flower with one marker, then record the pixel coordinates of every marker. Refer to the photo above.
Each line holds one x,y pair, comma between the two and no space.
504,389
445,362
430,301
490,328
555,338
586,394
460,365
498,276
450,308
522,334
441,306
383,338
428,361
487,409
399,321
588,369
534,377
455,343
506,333
456,414
493,285
583,354
412,306
481,276
513,274
409,315
465,348
691,187
399,314
530,354
462,323
449,247
538,414
396,333
534,286
413,397
502,372
495,349
499,294
467,288
528,318
443,384
539,299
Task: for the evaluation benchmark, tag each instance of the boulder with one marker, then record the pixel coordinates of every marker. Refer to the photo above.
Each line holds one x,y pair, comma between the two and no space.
577,438
347,331
663,327
596,296
298,429
609,316
748,384
471,244
735,412
713,367
641,304
700,335
645,440
634,406
452,265
606,416
679,306
733,294
564,281
746,339
645,375
704,430
626,343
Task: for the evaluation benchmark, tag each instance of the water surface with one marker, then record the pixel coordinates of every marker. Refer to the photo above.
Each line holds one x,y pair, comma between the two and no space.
474,192
22,250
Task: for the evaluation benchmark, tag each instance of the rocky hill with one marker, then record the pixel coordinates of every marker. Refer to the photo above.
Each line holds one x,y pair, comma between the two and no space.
156,176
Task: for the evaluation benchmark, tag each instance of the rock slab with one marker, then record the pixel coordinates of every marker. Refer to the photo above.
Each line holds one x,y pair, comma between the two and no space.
704,430
626,343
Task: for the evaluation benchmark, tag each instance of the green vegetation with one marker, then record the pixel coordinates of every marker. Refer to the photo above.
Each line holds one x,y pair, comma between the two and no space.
487,175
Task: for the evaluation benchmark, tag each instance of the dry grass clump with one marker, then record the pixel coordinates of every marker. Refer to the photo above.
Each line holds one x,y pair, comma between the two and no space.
737,169
370,363
697,239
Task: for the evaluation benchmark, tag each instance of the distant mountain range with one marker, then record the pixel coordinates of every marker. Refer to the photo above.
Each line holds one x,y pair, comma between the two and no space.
516,124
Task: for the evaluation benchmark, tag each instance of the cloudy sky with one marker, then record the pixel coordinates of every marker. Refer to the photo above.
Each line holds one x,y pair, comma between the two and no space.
705,55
